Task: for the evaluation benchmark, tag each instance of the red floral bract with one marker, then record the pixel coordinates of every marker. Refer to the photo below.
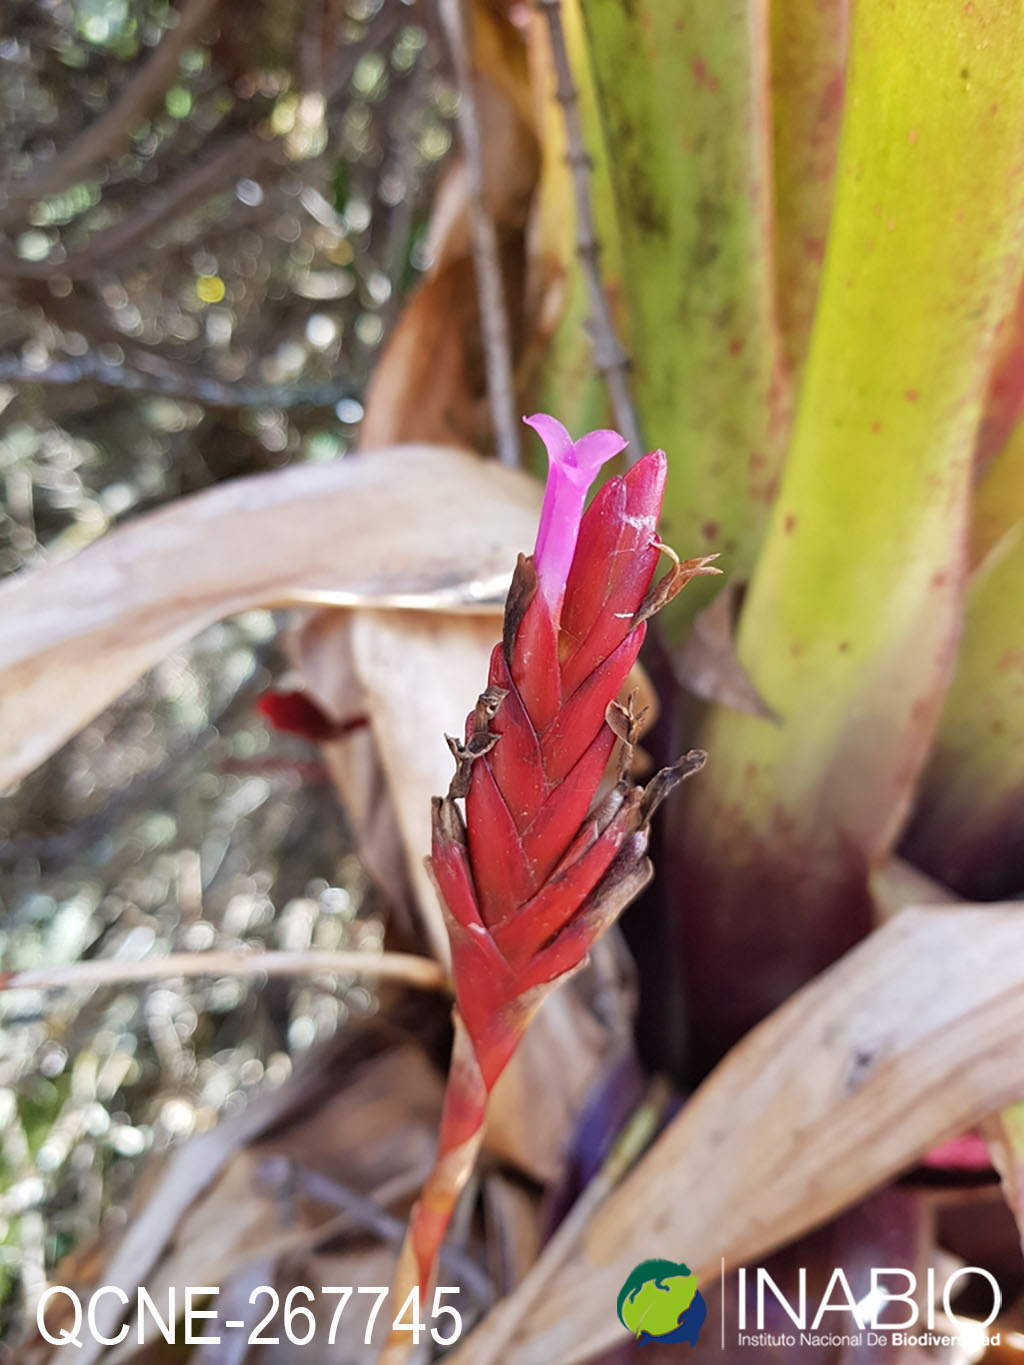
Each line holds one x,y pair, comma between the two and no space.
538,866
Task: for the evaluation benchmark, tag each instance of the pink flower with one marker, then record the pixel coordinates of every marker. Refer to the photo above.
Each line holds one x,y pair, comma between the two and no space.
573,467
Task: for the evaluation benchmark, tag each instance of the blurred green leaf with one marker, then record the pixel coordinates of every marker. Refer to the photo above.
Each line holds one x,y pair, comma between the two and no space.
568,383
999,499
808,56
968,829
683,91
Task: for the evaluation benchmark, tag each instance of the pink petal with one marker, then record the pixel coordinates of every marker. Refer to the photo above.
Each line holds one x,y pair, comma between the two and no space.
572,468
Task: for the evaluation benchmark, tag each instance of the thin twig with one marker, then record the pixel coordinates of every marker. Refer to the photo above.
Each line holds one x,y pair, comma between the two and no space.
407,968
54,851
240,155
237,156
494,326
103,137
369,1213
177,382
488,1345
610,358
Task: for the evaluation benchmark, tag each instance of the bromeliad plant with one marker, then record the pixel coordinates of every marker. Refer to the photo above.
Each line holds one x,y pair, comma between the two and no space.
811,221
540,865
815,276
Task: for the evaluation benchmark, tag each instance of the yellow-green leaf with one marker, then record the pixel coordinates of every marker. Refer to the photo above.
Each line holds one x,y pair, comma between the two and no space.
850,626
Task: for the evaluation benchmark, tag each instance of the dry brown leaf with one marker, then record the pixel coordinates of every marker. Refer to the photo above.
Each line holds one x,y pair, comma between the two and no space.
183,1178
913,1037
707,664
534,1106
422,675
363,1112
414,677
430,383
513,1224
426,526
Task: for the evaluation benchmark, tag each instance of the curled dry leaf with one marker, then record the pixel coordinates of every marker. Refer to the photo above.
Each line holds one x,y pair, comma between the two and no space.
425,527
912,1038
707,664
430,383
410,672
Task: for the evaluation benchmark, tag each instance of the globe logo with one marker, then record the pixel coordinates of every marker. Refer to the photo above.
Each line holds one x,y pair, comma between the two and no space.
660,1302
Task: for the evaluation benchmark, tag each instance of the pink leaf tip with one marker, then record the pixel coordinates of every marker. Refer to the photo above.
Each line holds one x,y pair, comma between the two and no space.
572,468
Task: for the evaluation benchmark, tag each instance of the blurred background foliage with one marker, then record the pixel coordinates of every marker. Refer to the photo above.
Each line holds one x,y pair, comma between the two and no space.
210,224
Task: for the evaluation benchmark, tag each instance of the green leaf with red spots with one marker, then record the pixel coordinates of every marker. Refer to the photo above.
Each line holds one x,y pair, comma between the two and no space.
808,60
683,92
850,625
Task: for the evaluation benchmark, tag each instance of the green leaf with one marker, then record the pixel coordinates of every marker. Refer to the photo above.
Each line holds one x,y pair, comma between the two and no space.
850,624
682,87
999,500
808,52
968,826
568,383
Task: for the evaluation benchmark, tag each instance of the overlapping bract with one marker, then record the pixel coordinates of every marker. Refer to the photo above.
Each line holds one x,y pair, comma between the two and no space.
515,874
538,866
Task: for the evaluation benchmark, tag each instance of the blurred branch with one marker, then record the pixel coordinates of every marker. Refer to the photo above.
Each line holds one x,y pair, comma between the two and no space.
53,851
369,1214
610,358
116,244
104,137
407,968
494,326
240,156
191,386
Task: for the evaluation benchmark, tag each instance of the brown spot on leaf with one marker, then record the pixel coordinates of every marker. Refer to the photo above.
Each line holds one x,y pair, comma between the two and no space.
705,81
